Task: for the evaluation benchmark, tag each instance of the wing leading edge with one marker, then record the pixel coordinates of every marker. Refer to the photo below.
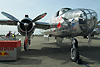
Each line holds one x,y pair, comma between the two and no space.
42,25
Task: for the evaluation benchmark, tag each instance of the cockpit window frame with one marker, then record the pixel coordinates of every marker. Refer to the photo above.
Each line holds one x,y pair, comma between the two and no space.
57,13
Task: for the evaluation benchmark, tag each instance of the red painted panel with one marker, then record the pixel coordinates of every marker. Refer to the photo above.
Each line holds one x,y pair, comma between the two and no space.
11,44
59,25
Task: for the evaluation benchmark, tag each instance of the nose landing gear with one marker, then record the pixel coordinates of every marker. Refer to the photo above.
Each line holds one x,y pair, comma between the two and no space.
74,50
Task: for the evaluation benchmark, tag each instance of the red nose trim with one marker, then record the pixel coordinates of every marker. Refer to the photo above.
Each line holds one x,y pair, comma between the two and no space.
59,25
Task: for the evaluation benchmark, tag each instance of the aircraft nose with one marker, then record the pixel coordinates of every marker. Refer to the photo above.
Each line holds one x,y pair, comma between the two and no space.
87,20
87,25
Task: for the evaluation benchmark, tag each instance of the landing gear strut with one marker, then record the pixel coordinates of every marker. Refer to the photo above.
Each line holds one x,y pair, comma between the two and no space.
74,50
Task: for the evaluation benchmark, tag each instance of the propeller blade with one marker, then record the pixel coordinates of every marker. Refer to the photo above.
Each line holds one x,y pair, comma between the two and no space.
26,41
26,45
10,16
39,17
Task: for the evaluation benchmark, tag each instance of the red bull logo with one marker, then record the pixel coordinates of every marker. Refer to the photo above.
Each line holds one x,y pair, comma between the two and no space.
3,53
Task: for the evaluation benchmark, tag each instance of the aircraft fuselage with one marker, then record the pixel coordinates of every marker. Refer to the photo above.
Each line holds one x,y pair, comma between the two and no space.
76,22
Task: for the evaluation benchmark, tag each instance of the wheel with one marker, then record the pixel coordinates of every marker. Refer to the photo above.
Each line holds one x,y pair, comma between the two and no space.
26,46
75,42
29,42
85,36
74,54
92,35
59,41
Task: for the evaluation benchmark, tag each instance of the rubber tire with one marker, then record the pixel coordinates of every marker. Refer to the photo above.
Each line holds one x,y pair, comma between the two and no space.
26,47
85,36
59,42
92,35
76,55
29,42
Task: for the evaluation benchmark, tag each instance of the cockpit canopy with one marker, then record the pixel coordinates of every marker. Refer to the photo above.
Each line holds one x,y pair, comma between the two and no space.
61,11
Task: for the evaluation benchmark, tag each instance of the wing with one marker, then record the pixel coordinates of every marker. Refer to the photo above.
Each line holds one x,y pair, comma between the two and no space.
98,24
42,25
7,22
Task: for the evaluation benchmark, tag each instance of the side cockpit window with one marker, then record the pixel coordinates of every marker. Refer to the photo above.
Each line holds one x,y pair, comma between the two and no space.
63,10
57,14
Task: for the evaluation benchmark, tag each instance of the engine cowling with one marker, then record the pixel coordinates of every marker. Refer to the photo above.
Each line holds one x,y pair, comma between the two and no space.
30,27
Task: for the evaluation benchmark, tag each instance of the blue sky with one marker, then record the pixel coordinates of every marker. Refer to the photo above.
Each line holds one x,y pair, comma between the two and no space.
19,8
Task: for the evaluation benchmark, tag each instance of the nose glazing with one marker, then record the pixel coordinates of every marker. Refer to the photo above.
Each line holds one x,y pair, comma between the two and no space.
87,21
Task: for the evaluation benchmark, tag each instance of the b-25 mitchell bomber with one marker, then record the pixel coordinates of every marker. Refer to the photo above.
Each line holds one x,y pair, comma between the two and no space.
66,23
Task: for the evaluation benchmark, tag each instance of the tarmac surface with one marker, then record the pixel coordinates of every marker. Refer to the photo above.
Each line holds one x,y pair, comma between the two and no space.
44,53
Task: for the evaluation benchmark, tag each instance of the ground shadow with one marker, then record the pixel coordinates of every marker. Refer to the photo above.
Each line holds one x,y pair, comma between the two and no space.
24,61
95,38
63,53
